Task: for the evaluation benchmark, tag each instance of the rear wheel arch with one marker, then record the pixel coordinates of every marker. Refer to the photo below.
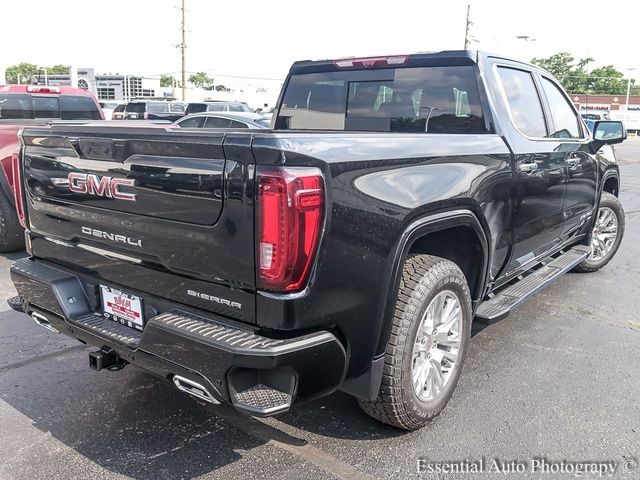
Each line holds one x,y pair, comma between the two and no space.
425,236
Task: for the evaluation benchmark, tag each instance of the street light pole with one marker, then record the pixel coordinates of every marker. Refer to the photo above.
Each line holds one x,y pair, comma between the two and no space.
626,103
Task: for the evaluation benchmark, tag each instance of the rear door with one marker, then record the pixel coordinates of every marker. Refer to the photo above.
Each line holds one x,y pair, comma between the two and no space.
539,167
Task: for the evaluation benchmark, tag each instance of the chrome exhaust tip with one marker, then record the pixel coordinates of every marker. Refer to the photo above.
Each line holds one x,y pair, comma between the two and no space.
43,322
193,389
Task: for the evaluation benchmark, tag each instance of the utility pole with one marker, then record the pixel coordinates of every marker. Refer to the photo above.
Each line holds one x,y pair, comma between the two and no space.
466,28
183,45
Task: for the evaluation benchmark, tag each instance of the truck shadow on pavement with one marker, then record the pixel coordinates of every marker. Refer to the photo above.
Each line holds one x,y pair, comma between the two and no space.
134,424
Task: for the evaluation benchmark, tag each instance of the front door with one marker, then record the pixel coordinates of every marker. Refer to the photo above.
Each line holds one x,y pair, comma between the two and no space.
581,165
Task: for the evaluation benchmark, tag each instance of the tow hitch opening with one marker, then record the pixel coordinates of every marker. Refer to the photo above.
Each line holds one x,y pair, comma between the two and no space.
106,358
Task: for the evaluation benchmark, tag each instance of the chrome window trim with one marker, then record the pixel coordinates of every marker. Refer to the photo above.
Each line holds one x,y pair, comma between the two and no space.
505,99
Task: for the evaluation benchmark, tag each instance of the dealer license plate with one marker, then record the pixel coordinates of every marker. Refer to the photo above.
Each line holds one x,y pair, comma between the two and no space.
122,307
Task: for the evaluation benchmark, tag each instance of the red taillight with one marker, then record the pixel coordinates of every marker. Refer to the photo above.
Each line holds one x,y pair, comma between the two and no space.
290,212
17,188
371,62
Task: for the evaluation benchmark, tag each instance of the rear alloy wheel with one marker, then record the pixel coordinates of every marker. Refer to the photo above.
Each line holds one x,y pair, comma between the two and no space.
437,345
428,342
606,235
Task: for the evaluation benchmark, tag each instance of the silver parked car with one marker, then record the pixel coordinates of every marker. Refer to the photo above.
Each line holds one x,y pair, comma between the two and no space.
223,120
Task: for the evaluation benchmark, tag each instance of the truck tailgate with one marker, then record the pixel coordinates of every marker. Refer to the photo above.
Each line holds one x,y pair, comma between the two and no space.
178,203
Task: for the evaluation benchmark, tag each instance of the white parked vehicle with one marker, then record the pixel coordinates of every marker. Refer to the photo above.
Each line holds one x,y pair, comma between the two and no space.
108,106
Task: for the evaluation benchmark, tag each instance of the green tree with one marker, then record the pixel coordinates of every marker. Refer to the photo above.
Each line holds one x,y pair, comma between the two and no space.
28,70
201,80
575,78
59,70
24,70
167,80
607,81
571,73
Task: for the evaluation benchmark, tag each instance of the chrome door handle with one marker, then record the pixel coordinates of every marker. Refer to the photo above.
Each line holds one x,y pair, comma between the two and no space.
528,167
573,161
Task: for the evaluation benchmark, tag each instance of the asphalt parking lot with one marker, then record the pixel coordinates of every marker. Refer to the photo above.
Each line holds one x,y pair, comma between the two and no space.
558,379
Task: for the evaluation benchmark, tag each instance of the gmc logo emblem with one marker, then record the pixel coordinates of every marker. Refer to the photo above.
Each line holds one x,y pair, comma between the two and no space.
102,187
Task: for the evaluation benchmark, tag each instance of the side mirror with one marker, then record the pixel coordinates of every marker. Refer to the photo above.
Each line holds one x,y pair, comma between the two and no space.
609,132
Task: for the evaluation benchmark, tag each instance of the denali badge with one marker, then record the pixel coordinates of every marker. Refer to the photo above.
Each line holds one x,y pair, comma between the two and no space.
211,298
111,236
101,186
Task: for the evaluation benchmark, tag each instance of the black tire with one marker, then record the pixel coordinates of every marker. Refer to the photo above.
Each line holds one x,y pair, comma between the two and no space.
589,265
397,404
11,232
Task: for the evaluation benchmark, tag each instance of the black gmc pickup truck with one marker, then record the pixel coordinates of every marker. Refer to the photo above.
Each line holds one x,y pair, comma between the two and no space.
395,200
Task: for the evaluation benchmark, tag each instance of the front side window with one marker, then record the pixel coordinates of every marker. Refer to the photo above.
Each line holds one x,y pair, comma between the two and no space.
417,100
523,101
565,120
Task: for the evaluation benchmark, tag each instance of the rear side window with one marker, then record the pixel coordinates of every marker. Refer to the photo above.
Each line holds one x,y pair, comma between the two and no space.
419,100
216,107
216,122
236,108
78,107
45,107
15,106
565,120
524,102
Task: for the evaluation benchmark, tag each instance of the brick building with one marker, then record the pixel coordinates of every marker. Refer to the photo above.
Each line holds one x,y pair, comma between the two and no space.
605,103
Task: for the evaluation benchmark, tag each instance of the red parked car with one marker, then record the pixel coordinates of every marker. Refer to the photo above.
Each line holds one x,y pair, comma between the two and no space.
24,105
